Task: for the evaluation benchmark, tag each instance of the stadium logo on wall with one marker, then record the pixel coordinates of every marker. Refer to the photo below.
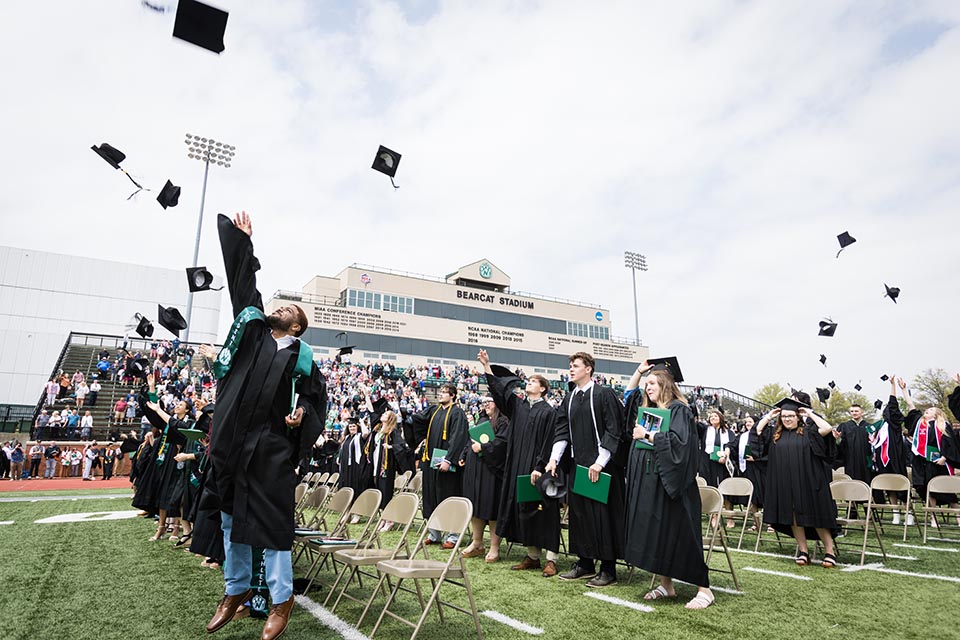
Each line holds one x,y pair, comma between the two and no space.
599,316
486,271
365,279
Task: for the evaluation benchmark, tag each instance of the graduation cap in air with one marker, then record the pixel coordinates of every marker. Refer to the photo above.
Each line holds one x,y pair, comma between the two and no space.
114,157
823,359
169,196
200,24
199,279
802,397
139,368
345,351
858,387
832,384
668,364
827,328
386,161
553,487
845,240
792,404
144,327
823,394
884,377
878,404
170,319
892,293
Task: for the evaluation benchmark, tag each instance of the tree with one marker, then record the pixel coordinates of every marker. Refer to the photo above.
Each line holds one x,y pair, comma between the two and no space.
771,393
931,388
837,408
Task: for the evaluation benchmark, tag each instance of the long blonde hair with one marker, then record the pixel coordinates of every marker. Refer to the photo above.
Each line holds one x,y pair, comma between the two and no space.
388,422
669,391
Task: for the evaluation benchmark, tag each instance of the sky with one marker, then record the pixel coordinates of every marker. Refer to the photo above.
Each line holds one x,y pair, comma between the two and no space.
728,141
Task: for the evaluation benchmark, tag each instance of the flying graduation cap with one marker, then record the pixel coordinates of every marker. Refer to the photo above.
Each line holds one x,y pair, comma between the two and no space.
345,351
845,240
832,384
878,404
169,196
199,279
892,293
386,162
200,24
884,377
823,394
170,319
823,359
114,157
858,387
827,328
144,327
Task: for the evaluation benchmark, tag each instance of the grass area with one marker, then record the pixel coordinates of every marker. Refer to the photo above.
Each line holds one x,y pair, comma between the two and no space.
104,580
66,492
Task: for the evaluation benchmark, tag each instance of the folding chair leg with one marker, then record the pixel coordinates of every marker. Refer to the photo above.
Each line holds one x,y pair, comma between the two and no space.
370,601
473,605
436,589
343,590
386,606
423,616
336,583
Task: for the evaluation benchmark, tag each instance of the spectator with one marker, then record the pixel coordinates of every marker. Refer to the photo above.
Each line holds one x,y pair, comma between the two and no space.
103,366
36,455
64,390
51,389
86,426
75,458
109,455
16,461
78,377
94,391
5,460
64,471
119,409
131,412
72,423
81,392
50,455
55,425
40,427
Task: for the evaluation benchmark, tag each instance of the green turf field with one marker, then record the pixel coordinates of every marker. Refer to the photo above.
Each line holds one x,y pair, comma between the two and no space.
103,580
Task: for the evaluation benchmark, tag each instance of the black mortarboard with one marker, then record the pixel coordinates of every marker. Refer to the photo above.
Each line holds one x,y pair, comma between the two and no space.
668,364
828,328
832,384
878,404
553,487
200,24
823,359
144,327
199,279
169,195
501,371
170,319
380,405
823,394
884,377
845,240
345,351
139,368
386,161
892,293
791,404
858,387
114,157
802,397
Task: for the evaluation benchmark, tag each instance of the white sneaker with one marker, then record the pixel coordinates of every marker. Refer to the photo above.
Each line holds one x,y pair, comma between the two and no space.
910,521
896,517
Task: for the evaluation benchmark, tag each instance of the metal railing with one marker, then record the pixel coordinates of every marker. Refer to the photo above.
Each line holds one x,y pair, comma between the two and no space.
310,298
724,393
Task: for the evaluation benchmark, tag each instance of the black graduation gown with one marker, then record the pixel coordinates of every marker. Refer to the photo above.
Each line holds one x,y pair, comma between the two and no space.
254,452
355,469
438,485
734,446
898,448
711,471
924,470
144,475
854,450
525,444
596,529
483,479
170,472
207,539
399,458
663,500
328,456
799,471
757,470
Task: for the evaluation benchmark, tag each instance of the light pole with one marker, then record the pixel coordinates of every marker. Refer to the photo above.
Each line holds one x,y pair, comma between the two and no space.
635,261
208,151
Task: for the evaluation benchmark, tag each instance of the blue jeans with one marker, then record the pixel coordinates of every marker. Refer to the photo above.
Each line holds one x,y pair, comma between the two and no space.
238,566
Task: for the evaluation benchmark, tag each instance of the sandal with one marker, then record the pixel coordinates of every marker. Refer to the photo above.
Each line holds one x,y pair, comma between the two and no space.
491,558
700,601
660,593
803,558
829,561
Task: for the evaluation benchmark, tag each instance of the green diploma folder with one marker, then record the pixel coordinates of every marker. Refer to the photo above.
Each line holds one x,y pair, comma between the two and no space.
438,456
599,490
527,492
482,433
192,434
653,420
715,454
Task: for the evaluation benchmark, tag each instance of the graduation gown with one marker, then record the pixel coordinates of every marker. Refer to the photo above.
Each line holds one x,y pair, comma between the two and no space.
429,425
252,449
143,474
897,448
756,470
596,529
799,471
711,471
520,448
384,464
924,470
663,500
854,450
483,478
354,466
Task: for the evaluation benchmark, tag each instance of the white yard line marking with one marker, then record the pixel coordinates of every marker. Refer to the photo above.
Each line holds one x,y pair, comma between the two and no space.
882,569
782,574
889,555
917,546
345,629
715,588
511,622
6,522
636,606
943,539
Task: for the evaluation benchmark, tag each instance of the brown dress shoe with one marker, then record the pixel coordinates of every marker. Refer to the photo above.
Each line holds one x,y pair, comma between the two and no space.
550,569
277,620
227,609
526,563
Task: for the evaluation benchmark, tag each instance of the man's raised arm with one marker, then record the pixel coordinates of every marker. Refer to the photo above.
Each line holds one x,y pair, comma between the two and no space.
239,262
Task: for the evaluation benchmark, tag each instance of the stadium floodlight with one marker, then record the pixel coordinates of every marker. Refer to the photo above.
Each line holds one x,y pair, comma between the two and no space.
208,151
635,262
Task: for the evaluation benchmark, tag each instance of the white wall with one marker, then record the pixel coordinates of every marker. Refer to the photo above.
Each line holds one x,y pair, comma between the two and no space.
44,296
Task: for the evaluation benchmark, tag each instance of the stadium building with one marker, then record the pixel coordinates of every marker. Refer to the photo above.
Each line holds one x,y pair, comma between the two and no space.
407,318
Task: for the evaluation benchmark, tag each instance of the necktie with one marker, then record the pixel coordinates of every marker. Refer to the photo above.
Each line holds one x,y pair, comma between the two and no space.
579,396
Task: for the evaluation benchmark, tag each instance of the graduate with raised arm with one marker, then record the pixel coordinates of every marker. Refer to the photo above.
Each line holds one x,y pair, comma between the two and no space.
797,500
271,406
526,442
890,450
663,499
931,442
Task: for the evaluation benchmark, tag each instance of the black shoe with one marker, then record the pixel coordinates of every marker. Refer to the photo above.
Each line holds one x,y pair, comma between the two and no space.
602,579
577,573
